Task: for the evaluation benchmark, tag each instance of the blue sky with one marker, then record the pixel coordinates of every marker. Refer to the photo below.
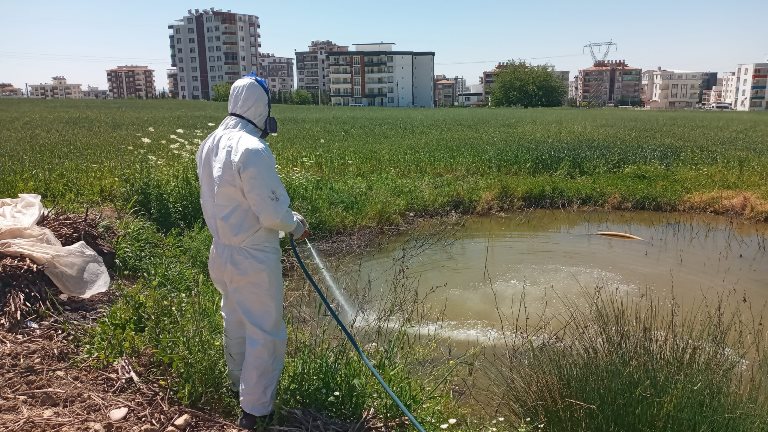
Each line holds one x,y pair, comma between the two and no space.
81,39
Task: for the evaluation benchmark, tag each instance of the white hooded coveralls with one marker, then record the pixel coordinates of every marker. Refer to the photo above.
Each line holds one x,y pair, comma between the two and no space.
245,205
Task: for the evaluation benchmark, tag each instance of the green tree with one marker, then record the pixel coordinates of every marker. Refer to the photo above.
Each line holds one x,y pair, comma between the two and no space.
526,85
302,97
221,92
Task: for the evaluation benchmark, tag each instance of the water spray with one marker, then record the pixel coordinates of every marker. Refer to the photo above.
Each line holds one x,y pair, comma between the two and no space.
415,423
348,310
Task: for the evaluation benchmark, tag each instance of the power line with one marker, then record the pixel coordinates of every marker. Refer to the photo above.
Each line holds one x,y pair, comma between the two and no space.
497,60
69,57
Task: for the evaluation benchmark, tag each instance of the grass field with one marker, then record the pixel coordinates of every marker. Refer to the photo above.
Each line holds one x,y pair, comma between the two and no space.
350,167
347,168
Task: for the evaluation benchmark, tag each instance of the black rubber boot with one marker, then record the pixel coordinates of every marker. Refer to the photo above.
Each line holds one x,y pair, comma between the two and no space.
255,423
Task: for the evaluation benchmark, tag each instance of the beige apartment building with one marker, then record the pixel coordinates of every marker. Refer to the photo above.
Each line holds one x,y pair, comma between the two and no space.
131,82
278,72
57,89
312,69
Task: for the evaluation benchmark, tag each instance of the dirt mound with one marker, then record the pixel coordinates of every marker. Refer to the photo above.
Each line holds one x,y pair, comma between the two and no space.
25,291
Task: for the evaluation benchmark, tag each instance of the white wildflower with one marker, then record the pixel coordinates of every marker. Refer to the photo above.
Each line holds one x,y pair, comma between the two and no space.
162,142
151,129
322,141
173,146
211,124
451,421
180,130
146,140
336,393
444,426
173,136
130,148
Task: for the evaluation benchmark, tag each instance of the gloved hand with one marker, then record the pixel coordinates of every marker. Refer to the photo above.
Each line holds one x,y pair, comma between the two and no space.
301,231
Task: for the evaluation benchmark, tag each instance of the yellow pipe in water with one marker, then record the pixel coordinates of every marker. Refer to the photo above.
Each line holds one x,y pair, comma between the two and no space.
618,235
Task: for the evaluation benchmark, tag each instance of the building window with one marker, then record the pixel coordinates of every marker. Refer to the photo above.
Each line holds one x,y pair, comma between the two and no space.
357,91
243,68
181,79
216,28
178,41
194,78
390,59
218,48
189,20
195,88
218,58
194,69
211,59
390,79
390,69
192,50
210,39
179,51
210,49
241,28
356,60
208,29
193,59
218,38
208,19
191,40
392,100
191,30
242,38
178,30
183,88
181,59
212,69
181,69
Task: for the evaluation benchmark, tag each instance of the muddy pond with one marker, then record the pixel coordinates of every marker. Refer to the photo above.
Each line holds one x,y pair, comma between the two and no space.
541,259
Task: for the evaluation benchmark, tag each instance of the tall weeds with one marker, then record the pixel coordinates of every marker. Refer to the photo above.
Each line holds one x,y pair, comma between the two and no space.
613,363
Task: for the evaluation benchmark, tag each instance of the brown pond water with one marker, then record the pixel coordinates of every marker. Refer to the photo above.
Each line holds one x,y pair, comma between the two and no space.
548,256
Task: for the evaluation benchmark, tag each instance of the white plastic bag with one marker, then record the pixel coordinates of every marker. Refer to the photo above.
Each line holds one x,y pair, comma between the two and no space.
76,270
23,211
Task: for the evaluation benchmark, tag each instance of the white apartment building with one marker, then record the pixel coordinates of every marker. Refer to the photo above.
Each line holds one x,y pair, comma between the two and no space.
312,67
58,89
672,89
376,75
278,72
730,84
210,47
751,87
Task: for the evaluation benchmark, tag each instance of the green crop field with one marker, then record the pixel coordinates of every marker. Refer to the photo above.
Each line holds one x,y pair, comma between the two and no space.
347,167
628,367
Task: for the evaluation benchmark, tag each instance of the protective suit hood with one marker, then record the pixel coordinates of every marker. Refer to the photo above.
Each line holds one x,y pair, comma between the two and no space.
249,99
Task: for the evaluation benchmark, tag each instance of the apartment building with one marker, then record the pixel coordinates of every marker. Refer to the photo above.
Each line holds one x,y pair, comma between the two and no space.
730,86
277,71
751,82
172,75
8,90
377,75
313,73
131,82
665,89
611,82
58,89
472,96
92,92
573,89
446,91
210,47
708,81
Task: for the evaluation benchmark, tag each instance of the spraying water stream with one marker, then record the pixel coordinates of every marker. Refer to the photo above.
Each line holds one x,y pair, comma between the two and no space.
348,311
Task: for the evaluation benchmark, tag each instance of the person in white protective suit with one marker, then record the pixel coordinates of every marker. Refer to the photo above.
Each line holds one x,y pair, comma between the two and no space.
245,205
